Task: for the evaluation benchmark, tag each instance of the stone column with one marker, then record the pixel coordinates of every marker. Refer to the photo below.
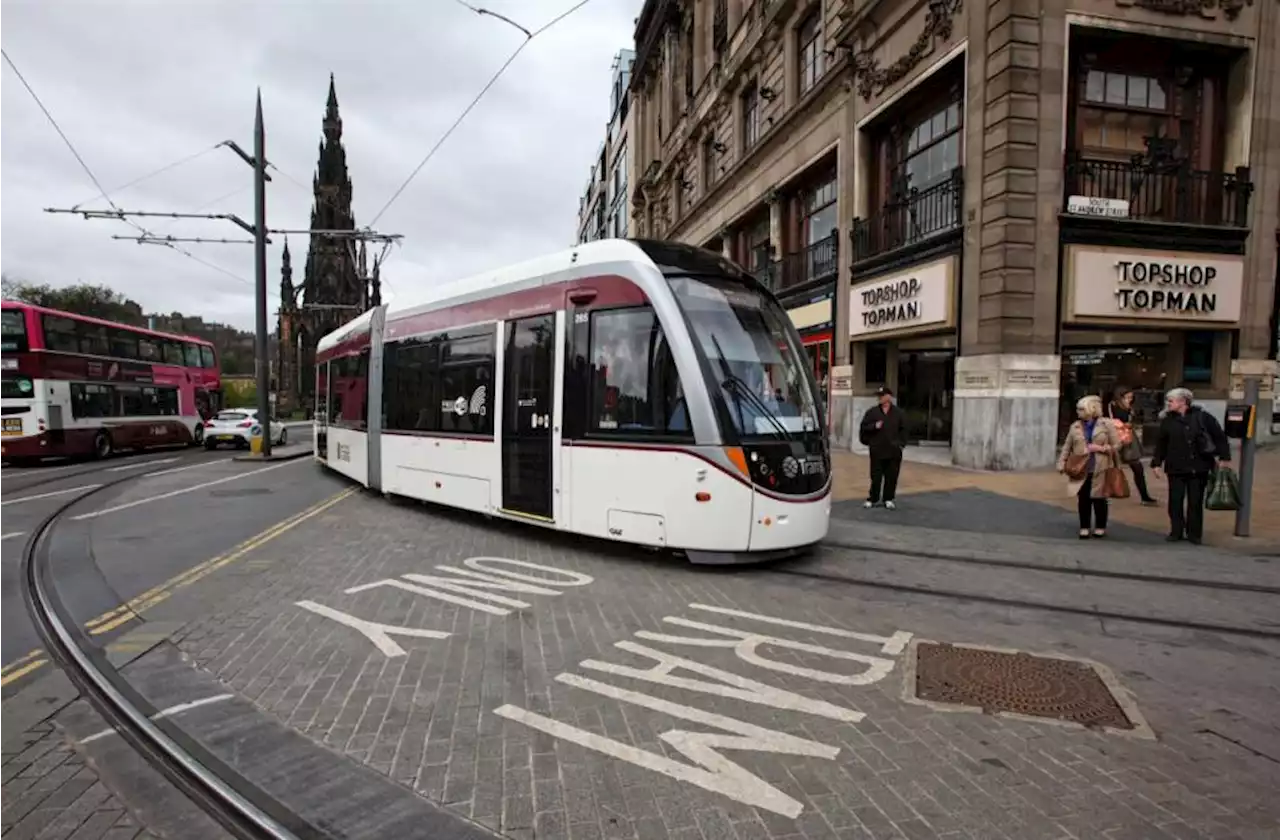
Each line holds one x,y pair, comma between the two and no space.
1007,372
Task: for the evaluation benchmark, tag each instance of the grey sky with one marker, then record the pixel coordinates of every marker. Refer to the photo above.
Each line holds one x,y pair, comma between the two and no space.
137,85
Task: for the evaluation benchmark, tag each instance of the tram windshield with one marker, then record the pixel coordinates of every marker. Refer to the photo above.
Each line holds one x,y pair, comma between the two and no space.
753,356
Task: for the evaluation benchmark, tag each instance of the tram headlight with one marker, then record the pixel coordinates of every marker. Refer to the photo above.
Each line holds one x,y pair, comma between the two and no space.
790,467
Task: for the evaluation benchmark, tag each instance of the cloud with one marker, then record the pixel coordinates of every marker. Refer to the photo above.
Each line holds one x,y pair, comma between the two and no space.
137,85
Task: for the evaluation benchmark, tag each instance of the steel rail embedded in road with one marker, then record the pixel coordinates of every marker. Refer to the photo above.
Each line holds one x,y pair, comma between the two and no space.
93,468
1022,565
1019,603
234,802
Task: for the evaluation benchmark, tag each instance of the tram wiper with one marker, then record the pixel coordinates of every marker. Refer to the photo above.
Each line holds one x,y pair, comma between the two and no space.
742,389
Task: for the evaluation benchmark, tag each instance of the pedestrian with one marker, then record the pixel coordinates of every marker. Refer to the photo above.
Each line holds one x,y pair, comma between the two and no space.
1090,449
884,433
1188,446
1121,413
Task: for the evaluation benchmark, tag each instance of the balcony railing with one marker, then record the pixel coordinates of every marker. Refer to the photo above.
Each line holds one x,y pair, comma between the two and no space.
911,215
1161,190
818,261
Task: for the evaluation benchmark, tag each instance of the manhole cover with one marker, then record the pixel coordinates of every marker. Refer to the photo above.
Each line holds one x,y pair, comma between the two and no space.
1018,683
248,491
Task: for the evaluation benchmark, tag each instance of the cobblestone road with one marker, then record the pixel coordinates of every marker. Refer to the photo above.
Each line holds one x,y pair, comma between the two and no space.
604,693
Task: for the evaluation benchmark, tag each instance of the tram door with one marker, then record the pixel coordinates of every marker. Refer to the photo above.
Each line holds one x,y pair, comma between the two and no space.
526,415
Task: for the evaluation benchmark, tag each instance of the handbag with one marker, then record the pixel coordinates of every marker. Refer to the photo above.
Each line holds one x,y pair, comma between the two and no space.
1123,431
1114,484
1076,467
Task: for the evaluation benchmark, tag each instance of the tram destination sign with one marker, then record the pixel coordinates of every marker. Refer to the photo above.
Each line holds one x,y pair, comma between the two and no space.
1132,285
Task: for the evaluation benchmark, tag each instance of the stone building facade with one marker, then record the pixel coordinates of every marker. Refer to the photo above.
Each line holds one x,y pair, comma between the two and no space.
604,209
993,207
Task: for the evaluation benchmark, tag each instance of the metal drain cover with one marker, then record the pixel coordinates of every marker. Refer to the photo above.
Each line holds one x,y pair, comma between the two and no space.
1018,683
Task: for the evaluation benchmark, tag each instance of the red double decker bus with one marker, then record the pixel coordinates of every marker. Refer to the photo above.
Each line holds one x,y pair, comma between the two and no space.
83,386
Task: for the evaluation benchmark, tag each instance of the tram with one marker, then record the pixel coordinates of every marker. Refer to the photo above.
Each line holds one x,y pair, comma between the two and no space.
632,390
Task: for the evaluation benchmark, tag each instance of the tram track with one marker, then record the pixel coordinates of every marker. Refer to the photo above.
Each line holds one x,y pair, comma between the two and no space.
1074,571
238,805
1065,608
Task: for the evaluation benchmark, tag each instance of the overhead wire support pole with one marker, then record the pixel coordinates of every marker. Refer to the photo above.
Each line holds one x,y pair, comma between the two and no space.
260,178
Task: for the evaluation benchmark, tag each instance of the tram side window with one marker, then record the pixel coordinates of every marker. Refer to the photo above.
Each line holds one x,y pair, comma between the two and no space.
635,388
349,390
60,334
410,385
466,384
89,400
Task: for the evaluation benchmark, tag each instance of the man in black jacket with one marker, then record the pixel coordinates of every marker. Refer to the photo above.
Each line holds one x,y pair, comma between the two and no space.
1188,444
884,433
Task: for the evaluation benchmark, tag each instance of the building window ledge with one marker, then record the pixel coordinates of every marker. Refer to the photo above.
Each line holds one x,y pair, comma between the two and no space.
811,265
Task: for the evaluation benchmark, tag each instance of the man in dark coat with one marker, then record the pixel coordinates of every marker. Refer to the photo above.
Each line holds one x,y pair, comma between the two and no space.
884,433
1188,444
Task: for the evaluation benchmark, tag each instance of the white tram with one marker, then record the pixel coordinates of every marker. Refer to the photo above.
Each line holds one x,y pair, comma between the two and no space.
639,391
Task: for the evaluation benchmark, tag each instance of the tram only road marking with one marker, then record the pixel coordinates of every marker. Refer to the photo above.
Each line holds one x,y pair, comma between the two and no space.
51,494
180,491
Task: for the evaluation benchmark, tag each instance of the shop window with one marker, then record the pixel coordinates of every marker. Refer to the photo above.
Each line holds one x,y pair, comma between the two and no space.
750,115
812,58
635,389
1198,358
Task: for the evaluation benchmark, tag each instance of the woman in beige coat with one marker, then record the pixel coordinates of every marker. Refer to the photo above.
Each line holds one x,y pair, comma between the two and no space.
1095,436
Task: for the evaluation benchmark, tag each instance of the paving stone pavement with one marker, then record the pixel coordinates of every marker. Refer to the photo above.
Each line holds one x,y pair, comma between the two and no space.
562,711
50,793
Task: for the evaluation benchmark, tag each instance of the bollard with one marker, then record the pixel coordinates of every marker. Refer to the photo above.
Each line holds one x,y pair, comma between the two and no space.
255,440
1248,448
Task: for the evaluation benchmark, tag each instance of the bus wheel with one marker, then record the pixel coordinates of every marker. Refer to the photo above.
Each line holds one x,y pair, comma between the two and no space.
102,445
197,436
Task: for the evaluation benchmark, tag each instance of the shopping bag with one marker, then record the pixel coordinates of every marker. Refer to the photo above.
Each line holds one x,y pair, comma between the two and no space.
1076,467
1114,484
1224,490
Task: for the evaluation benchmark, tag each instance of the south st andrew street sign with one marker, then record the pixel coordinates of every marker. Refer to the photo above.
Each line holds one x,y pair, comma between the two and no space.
1174,287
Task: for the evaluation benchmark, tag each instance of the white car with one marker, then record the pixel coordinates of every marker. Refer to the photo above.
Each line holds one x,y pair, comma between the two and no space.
238,426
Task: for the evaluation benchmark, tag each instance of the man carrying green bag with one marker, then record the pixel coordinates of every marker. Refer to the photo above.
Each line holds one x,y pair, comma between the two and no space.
1189,445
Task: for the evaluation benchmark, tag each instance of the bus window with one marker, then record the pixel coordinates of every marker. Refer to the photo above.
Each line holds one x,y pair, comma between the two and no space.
93,340
60,334
191,352
124,344
207,358
172,353
147,350
14,339
88,400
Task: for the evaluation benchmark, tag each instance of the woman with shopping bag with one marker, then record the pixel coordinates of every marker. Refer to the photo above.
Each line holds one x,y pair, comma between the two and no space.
1121,413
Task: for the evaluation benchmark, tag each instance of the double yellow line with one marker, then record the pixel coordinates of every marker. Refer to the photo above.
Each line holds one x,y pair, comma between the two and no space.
131,609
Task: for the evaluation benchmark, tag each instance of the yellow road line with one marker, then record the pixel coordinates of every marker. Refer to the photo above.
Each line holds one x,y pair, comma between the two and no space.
25,657
21,672
128,611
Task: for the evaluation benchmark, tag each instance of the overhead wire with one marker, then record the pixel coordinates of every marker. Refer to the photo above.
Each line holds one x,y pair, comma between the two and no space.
94,178
530,36
174,165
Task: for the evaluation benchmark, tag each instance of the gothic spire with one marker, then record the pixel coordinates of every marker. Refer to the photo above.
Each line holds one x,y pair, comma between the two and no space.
286,278
330,272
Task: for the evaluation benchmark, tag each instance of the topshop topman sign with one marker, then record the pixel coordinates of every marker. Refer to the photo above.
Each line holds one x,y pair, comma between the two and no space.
915,300
1132,284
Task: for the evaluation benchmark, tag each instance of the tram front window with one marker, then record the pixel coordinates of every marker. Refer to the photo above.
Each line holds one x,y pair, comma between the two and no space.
753,359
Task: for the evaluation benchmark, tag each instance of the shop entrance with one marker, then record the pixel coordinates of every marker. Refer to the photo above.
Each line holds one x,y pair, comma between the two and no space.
1100,370
818,349
925,395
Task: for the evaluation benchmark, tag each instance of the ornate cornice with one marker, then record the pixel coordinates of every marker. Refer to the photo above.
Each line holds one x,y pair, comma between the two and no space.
871,79
1204,8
